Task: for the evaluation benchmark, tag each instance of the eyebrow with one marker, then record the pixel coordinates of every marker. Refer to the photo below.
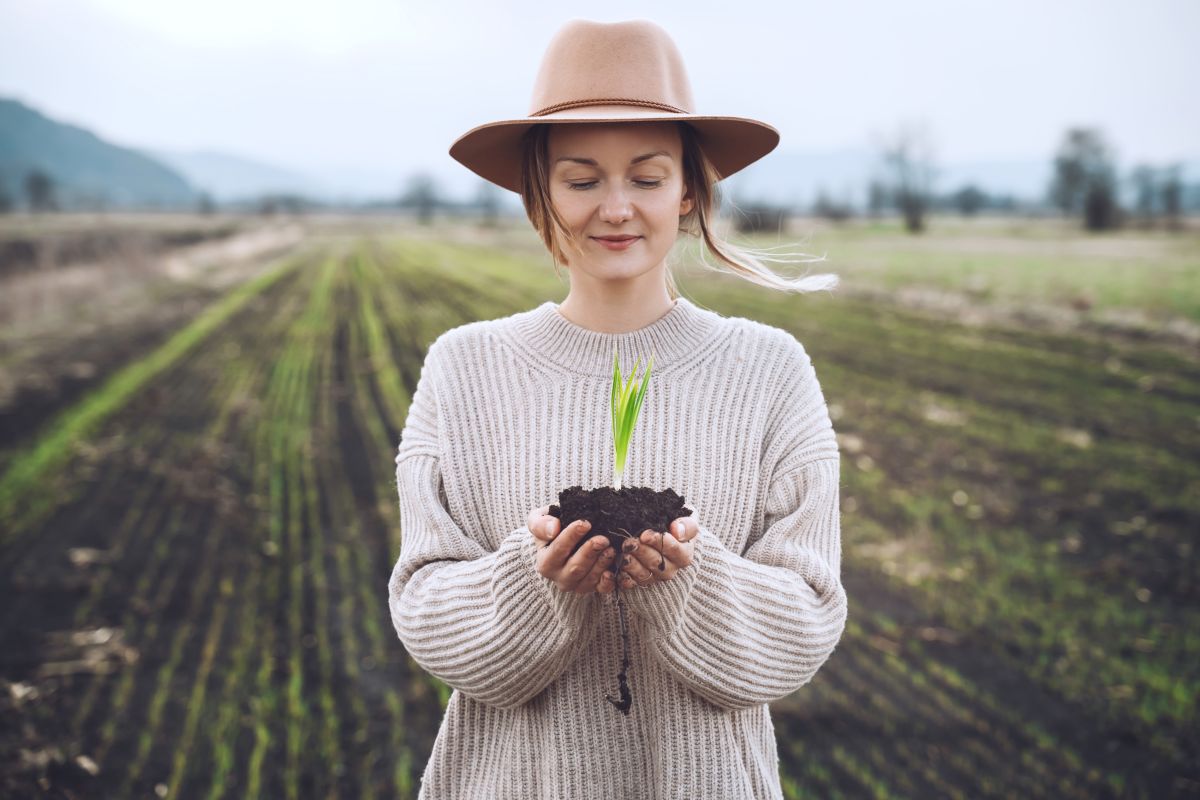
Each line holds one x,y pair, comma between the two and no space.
591,162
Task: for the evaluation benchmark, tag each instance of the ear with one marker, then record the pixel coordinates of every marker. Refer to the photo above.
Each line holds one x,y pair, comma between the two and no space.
685,205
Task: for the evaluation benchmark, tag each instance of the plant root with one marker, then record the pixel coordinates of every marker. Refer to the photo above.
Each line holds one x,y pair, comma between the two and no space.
626,699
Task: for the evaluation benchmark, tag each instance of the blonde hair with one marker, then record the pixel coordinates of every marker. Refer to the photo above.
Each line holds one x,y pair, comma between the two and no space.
700,180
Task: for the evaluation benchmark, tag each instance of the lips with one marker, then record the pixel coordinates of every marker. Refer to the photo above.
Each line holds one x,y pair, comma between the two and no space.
617,243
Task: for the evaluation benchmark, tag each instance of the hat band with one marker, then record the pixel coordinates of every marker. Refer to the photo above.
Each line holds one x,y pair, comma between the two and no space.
606,101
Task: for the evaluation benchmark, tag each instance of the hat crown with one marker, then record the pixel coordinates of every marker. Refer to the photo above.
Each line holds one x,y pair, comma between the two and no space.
634,62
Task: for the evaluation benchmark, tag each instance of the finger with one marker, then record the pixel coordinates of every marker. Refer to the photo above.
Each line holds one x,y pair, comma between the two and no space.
627,562
592,580
560,549
580,564
650,555
638,566
535,521
545,528
607,581
622,560
662,562
690,528
677,554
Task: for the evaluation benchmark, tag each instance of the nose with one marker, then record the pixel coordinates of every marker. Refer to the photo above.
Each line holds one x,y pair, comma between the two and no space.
615,207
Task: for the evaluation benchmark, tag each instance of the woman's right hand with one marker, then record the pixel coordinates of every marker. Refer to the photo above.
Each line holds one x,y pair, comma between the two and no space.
587,571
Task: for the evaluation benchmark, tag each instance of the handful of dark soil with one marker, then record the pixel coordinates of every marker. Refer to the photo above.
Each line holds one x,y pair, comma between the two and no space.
620,514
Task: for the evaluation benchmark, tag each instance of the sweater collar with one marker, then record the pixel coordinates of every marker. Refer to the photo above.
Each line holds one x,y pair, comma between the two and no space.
559,345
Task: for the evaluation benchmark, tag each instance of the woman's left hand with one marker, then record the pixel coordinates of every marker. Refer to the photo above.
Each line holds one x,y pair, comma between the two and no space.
641,567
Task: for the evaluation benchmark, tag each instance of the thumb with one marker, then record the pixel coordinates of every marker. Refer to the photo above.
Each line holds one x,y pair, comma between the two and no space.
546,528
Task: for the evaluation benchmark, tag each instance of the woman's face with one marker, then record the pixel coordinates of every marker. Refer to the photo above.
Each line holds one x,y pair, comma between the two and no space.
618,179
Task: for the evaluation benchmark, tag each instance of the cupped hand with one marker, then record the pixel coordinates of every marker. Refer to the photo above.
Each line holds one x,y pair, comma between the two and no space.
587,571
671,551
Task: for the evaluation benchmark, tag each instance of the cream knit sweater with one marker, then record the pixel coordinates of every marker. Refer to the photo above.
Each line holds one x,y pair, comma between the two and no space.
506,413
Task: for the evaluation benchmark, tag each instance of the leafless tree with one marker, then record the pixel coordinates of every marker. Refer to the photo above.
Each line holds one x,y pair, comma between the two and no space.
1172,196
421,195
1085,179
908,158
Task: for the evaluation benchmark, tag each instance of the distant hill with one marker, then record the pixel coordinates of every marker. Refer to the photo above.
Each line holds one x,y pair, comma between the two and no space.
228,177
86,171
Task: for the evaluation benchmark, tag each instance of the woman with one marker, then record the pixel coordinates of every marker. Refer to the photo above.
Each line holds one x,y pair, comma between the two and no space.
612,164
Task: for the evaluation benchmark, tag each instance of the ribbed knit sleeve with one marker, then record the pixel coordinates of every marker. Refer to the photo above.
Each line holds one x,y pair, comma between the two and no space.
485,623
742,629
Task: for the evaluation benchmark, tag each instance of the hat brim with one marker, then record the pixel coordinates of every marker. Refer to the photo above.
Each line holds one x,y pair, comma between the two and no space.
492,151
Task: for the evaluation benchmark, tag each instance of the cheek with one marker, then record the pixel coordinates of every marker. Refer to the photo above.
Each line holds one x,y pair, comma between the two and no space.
570,208
666,209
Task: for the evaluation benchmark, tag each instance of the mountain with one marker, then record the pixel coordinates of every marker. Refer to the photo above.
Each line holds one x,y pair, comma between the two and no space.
229,177
85,170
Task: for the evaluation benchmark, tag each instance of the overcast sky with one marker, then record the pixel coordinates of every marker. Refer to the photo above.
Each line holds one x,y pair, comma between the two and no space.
389,85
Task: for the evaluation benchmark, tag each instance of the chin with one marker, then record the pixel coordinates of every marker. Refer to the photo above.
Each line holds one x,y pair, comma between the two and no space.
616,269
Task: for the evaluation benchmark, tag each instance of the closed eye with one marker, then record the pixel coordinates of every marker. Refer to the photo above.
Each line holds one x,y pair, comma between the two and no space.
589,184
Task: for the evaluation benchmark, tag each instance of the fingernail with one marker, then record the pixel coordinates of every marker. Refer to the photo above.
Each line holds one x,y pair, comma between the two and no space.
679,527
600,542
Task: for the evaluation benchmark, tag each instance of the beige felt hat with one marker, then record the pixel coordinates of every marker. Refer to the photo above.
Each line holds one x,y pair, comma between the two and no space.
611,72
